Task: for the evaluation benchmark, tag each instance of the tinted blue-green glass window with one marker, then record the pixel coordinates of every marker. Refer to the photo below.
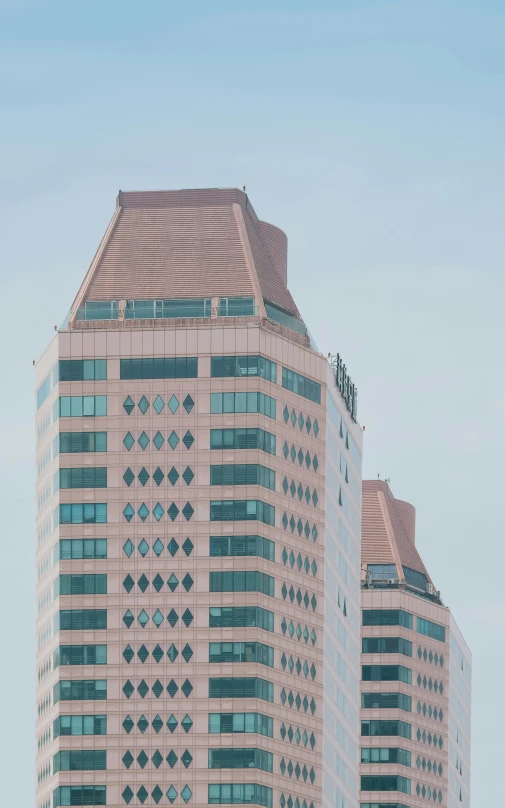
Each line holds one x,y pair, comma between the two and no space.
236,306
81,548
240,759
88,584
226,366
47,385
243,438
243,402
242,581
98,310
374,728
240,794
385,782
284,318
80,725
416,578
79,795
80,760
80,690
71,370
302,385
387,617
241,616
81,619
82,406
239,687
381,754
77,442
82,513
241,722
386,701
168,309
241,652
87,477
386,673
242,546
80,655
230,510
429,629
181,367
242,474
386,645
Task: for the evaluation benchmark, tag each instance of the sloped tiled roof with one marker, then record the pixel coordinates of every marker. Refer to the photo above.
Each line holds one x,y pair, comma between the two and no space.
388,529
185,244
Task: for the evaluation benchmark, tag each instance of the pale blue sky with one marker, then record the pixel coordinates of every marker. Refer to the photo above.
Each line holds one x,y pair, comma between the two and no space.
372,132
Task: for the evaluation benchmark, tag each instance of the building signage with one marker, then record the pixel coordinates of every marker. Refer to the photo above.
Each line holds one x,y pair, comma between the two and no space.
344,383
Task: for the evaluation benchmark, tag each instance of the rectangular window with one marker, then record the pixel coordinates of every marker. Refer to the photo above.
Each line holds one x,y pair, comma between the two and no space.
237,510
374,728
241,688
80,690
242,474
242,546
168,309
181,367
82,406
226,366
429,629
240,617
240,759
80,655
241,652
246,581
79,795
88,584
302,385
376,754
80,725
47,385
385,782
283,317
386,673
240,794
243,402
80,760
81,620
78,442
81,514
236,306
98,310
387,617
87,477
386,701
82,370
243,438
67,549
241,722
386,645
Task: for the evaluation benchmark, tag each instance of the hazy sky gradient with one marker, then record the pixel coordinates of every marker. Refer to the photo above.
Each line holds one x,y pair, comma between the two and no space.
372,133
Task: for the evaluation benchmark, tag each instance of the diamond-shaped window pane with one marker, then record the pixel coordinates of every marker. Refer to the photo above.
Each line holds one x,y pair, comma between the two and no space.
173,511
128,513
172,723
128,405
128,618
172,688
128,654
142,794
157,618
128,689
128,548
158,404
188,511
186,792
142,653
158,653
187,688
188,403
158,582
173,440
173,617
128,440
143,441
172,547
127,795
143,618
187,546
173,582
157,724
158,440
157,688
158,476
143,511
173,475
187,652
143,476
188,475
187,582
143,405
128,583
171,794
156,793
143,548
172,653
128,724
158,511
142,724
158,546
187,618
172,758
143,582
173,404
188,440
186,723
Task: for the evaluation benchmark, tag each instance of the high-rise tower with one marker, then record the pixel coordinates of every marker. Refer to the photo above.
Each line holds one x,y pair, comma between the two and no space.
416,670
198,524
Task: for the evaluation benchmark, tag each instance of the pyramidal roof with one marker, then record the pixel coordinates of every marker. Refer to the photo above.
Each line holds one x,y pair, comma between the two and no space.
388,530
188,244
